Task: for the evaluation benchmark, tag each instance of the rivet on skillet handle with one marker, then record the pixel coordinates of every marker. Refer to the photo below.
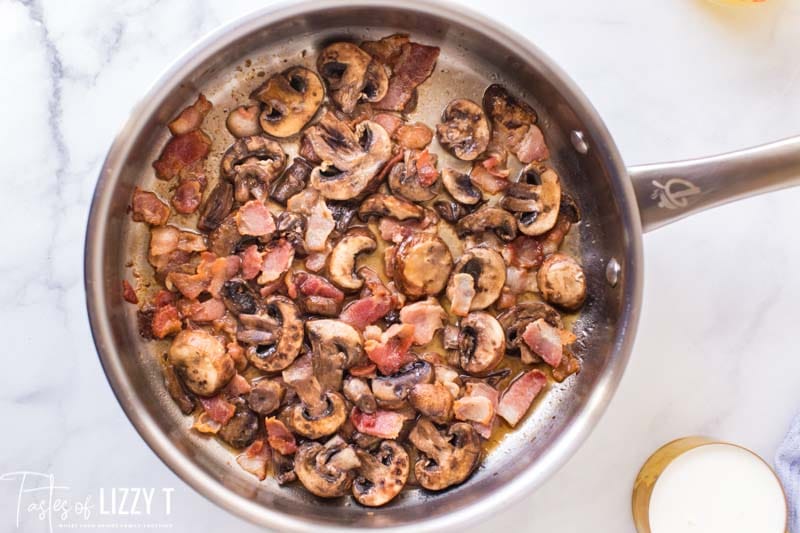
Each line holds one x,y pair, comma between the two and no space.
670,191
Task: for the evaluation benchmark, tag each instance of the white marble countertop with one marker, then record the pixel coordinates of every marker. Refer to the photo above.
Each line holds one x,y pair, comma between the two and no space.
716,352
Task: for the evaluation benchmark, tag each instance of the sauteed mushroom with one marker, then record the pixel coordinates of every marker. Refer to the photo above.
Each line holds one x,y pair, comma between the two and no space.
535,198
386,205
481,343
326,471
351,74
392,391
382,474
489,219
218,206
281,318
513,125
460,187
516,319
242,428
201,361
291,99
422,265
243,121
318,414
336,346
432,400
292,181
357,391
464,129
239,298
562,281
342,261
405,180
266,396
253,163
445,460
488,271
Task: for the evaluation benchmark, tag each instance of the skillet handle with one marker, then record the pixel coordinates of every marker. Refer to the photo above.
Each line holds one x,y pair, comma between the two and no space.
667,192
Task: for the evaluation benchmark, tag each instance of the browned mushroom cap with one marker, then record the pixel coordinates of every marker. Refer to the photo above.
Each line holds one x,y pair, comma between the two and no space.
386,205
342,260
404,179
460,187
488,270
535,198
514,321
201,361
512,122
291,99
239,298
422,265
432,400
253,163
562,281
445,460
481,343
391,391
382,474
218,206
243,121
318,414
266,396
357,391
282,320
292,181
241,430
489,219
351,74
450,211
351,161
464,129
336,346
326,471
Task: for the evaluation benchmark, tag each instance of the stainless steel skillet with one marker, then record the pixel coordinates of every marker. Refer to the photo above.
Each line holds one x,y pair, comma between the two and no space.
617,203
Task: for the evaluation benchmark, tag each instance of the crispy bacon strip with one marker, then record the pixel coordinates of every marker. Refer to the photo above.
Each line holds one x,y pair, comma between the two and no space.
480,389
413,66
166,321
519,396
426,316
390,351
382,424
191,117
147,207
254,218
128,294
181,152
255,458
218,408
187,196
280,439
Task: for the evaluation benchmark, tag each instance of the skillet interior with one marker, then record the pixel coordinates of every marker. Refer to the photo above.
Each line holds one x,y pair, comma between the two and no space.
225,67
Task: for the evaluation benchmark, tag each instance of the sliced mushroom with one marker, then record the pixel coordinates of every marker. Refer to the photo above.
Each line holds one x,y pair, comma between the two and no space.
516,319
351,161
536,199
382,474
243,121
201,361
266,396
513,125
460,187
481,343
292,181
489,219
357,391
351,74
336,346
224,240
239,298
488,270
241,430
319,413
404,179
281,318
422,265
255,148
323,470
386,205
392,391
464,129
291,99
291,226
432,400
218,205
562,281
342,260
450,211
444,460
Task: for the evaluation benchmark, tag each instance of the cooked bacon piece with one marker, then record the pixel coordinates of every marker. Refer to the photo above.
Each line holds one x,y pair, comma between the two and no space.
524,252
147,207
486,181
204,424
181,152
388,49
254,218
166,321
128,294
212,273
507,299
316,261
396,158
238,385
569,365
163,297
496,163
520,280
413,66
389,122
280,439
207,311
427,318
365,311
519,396
167,239
277,260
426,168
388,260
480,389
382,424
218,408
462,294
252,260
254,459
311,285
544,340
187,196
191,117
363,371
393,230
532,147
390,351
414,136
474,409
234,349
319,219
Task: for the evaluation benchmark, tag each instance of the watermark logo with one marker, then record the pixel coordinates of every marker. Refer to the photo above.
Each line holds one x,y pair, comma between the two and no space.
675,193
41,499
